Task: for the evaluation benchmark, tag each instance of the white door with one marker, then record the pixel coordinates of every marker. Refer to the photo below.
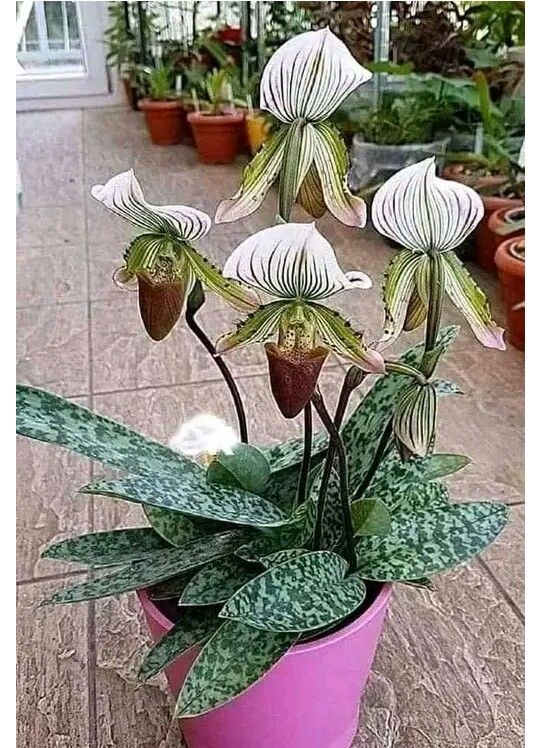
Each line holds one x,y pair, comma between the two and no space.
60,49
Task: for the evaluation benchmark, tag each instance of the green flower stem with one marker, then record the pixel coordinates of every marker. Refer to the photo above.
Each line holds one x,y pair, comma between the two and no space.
224,369
306,459
337,442
436,299
288,181
353,379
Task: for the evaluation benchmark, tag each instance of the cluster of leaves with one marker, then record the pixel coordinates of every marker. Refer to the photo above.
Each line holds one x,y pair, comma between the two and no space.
231,548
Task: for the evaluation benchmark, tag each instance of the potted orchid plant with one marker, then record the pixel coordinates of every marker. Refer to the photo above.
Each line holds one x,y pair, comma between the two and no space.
265,572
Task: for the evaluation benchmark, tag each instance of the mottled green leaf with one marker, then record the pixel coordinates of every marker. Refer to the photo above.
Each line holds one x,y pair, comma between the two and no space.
246,467
217,581
312,591
430,540
290,453
441,465
370,517
442,387
195,627
279,557
152,569
233,659
171,588
49,418
178,529
295,534
100,549
194,499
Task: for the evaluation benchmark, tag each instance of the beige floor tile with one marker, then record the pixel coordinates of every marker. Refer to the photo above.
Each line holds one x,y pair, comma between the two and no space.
48,506
52,348
51,275
40,133
50,226
52,690
50,178
449,671
506,557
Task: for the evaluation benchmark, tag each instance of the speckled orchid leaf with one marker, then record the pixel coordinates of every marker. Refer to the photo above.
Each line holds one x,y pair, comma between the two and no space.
257,178
171,588
217,581
472,302
295,533
234,658
430,540
443,387
370,517
194,628
289,453
256,328
422,212
332,525
331,160
279,557
312,591
178,529
152,569
49,418
338,335
99,549
440,465
309,76
415,418
244,467
195,499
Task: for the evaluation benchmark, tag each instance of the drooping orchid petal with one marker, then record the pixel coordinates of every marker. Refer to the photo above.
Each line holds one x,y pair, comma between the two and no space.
123,195
291,261
420,211
309,76
400,283
205,434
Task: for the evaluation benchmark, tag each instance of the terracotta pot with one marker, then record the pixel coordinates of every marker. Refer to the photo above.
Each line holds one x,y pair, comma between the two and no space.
457,173
217,137
309,699
257,127
511,269
486,254
163,120
483,237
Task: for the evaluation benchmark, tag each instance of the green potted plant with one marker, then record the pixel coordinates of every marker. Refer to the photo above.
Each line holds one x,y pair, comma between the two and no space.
265,572
162,107
217,126
123,50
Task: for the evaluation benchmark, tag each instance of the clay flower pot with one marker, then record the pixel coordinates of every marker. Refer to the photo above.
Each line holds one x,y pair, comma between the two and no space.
510,261
163,120
483,236
257,127
501,217
458,173
338,664
217,136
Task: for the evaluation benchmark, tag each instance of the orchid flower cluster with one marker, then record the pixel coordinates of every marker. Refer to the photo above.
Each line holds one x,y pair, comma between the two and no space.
280,544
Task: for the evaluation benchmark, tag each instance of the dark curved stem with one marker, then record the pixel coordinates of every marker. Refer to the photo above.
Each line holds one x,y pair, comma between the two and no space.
376,461
224,369
337,443
306,459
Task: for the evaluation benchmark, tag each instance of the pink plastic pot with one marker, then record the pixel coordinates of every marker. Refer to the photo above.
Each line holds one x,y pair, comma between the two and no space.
310,699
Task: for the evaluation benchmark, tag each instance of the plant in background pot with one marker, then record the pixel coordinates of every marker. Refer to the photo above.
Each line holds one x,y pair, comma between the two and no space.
218,127
265,572
510,261
162,108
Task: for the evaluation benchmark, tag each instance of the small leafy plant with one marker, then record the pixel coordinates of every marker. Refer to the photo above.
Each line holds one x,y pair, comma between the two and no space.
261,548
159,82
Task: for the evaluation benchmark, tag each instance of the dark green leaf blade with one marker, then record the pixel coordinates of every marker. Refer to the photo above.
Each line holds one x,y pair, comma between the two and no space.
195,627
178,529
217,581
100,549
152,569
312,591
370,517
233,659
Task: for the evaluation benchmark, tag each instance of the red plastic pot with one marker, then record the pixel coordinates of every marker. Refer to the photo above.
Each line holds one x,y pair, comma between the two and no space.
309,699
483,237
511,270
163,120
217,137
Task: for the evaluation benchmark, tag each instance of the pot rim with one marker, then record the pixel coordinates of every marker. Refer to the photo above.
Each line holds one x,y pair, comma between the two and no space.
374,609
160,104
218,119
505,260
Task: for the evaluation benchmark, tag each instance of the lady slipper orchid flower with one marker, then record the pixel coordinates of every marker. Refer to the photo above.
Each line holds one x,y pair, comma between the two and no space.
297,266
303,83
204,436
162,261
428,215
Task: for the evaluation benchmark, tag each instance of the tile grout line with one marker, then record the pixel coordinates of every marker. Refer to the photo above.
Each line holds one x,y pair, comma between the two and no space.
50,577
507,597
91,620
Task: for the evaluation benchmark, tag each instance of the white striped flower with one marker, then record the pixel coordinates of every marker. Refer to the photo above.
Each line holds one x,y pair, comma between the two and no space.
162,260
303,83
296,265
429,215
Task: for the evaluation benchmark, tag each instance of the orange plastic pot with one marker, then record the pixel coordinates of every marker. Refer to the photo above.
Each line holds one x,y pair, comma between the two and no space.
217,137
257,128
511,270
485,245
163,120
499,218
